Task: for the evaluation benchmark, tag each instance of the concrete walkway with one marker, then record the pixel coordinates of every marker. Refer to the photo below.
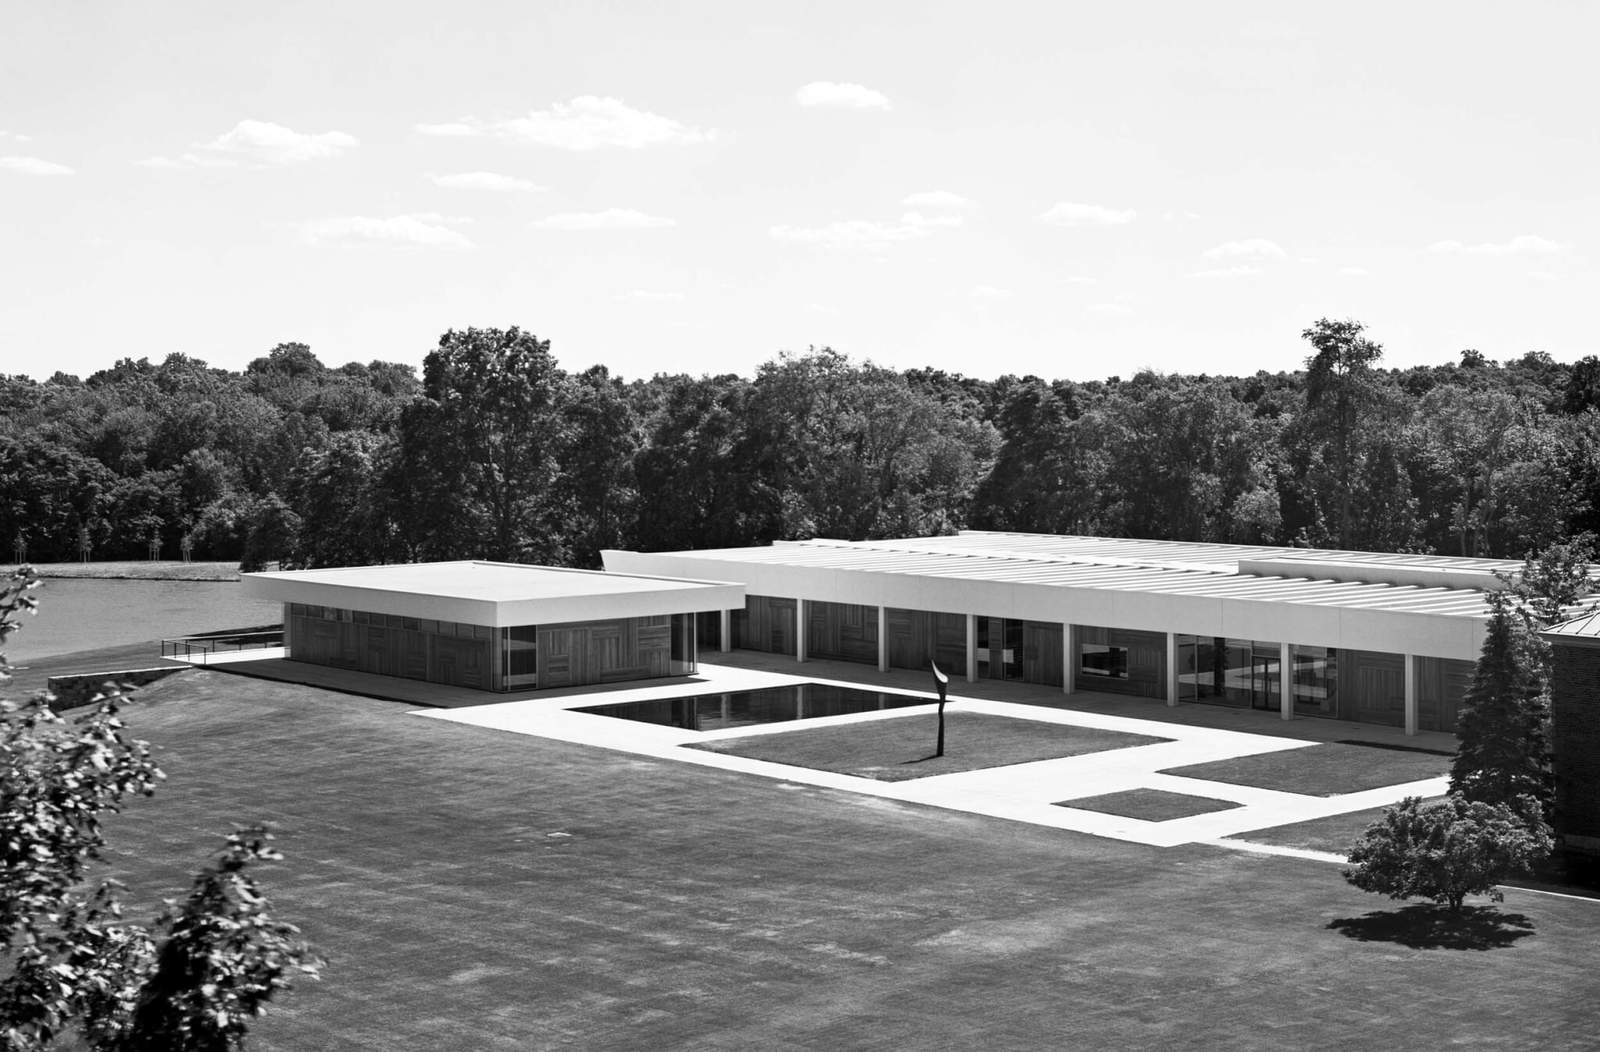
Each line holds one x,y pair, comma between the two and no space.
1030,792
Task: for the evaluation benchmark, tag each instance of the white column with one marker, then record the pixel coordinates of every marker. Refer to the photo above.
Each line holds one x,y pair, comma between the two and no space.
1286,681
1069,658
1172,668
725,630
800,619
883,639
1411,694
972,648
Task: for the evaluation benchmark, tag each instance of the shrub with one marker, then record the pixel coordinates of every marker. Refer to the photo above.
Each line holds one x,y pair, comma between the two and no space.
1446,850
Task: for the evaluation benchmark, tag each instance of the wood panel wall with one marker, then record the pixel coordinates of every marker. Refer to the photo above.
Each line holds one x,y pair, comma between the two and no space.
766,623
1372,687
1043,660
842,632
917,637
1441,684
1147,661
572,655
390,651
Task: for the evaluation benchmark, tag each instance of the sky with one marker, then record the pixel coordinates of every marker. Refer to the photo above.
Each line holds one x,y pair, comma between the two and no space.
1072,190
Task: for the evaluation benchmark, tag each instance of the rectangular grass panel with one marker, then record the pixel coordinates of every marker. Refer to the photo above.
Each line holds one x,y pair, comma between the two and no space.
1149,805
1321,770
901,748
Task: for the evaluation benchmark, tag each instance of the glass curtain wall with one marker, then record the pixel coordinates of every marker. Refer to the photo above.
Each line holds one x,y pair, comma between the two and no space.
1316,681
1242,673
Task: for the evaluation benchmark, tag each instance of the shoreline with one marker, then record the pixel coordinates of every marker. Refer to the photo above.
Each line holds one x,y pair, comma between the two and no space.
129,570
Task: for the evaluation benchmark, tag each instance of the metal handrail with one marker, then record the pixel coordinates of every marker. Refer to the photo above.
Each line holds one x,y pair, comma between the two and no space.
206,645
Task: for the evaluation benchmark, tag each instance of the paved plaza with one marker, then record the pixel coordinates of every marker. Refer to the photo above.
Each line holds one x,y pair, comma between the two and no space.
1038,793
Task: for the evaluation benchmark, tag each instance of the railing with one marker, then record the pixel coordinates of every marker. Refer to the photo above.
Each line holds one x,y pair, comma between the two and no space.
199,649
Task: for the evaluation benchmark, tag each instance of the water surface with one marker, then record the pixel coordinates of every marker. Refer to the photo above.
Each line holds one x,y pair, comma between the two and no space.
82,614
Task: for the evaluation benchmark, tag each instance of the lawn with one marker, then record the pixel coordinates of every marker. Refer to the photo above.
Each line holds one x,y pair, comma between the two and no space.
1333,834
473,889
902,747
1321,770
1151,805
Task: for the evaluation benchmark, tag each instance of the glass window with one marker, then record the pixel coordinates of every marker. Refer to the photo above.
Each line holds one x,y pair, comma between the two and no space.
1316,681
1106,661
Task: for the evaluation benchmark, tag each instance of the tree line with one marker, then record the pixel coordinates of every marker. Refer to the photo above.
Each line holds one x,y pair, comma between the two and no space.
495,451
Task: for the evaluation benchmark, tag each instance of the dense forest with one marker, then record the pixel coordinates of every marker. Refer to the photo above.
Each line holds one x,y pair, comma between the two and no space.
497,452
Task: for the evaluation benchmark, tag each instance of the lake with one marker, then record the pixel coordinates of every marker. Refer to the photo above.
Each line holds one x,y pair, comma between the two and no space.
83,614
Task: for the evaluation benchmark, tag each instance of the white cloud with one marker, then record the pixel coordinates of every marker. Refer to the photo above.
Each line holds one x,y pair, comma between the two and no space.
1115,310
935,199
15,136
423,228
261,144
1227,272
451,128
610,219
588,122
841,96
651,296
1248,248
918,221
989,293
1522,245
1068,213
1075,279
1354,272
485,181
34,166
865,234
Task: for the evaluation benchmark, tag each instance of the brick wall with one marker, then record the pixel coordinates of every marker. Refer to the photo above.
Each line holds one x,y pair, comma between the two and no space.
1575,736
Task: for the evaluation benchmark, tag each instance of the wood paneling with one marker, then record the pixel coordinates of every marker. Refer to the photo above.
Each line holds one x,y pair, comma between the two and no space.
391,651
1441,684
766,623
1147,661
1042,657
842,632
1372,687
918,637
586,652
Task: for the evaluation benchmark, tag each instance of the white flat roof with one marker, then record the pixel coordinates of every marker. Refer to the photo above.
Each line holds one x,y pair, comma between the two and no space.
1417,604
493,593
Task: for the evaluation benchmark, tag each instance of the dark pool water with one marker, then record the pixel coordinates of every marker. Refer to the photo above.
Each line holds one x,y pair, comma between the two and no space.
748,708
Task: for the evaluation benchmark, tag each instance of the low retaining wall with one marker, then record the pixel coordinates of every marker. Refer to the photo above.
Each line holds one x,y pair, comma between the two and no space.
79,688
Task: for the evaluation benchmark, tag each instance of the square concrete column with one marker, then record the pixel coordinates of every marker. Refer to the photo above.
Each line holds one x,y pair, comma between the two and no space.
1411,694
800,612
1286,681
972,648
883,639
1069,657
725,630
1172,668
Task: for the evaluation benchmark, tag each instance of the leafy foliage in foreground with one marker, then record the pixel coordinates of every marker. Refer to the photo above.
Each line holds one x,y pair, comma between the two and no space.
1446,850
191,981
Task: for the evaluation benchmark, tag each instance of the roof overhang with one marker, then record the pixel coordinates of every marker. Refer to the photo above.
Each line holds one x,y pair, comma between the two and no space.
494,594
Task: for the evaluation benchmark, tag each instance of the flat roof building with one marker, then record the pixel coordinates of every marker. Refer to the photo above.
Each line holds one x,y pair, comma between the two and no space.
1302,632
493,626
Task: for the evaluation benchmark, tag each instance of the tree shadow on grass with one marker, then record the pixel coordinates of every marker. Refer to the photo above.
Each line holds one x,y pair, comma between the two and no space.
1429,927
922,759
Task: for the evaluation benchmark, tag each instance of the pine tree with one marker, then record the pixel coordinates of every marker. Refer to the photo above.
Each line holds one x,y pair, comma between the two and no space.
1504,725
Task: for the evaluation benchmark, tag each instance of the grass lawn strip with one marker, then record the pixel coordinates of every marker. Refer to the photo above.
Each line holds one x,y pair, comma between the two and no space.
1333,834
1321,770
902,748
689,907
1149,805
